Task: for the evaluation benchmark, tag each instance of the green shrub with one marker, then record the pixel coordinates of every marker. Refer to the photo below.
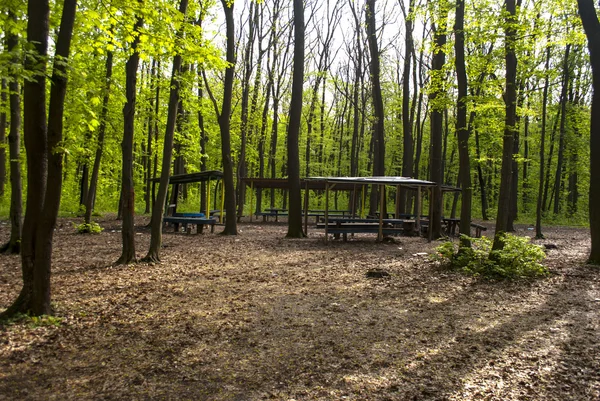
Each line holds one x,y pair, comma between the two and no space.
519,258
33,321
92,228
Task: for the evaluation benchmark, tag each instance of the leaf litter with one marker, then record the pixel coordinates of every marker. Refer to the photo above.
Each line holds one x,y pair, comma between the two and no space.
258,317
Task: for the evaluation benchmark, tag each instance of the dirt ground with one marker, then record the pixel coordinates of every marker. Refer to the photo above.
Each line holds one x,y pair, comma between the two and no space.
258,316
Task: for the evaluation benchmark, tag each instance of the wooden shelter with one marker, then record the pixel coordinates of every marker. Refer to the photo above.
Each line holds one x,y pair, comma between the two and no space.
356,185
202,176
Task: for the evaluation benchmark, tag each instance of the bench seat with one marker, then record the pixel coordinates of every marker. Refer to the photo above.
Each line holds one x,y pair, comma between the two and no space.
200,222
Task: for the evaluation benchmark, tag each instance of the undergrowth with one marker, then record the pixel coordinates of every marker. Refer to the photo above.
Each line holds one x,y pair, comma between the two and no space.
91,228
518,259
33,321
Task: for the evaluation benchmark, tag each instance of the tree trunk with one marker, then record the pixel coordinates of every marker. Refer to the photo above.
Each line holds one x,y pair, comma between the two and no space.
407,134
561,140
44,235
127,185
510,100
44,166
378,112
248,57
462,129
35,133
156,222
439,59
3,99
148,156
91,196
203,141
224,124
545,203
589,18
14,148
295,198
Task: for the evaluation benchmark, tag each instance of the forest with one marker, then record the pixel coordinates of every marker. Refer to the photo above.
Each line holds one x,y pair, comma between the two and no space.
101,102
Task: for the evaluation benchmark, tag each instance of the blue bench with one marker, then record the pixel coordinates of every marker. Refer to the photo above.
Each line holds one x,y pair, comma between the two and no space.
200,222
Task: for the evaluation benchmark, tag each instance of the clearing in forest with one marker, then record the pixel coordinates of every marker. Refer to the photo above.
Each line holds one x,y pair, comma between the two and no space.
258,316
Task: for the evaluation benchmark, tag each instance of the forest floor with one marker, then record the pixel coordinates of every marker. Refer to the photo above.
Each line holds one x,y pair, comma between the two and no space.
258,316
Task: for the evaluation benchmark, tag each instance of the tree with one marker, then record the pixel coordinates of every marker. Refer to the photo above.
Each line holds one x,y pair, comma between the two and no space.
91,193
378,111
127,185
295,198
158,207
538,212
436,97
43,141
591,25
510,100
14,145
462,130
224,120
3,99
407,131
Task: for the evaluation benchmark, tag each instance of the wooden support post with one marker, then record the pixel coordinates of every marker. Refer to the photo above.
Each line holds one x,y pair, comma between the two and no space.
381,207
207,199
326,211
354,200
397,208
418,211
429,230
362,206
251,199
306,208
221,216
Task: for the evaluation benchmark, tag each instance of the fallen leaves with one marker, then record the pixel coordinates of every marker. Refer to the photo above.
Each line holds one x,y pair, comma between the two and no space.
259,316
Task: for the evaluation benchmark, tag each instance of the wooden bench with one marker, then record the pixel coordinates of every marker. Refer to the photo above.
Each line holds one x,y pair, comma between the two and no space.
478,229
266,215
200,222
345,226
358,228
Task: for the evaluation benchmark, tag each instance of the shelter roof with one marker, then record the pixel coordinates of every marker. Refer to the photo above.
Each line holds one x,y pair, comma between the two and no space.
342,183
193,177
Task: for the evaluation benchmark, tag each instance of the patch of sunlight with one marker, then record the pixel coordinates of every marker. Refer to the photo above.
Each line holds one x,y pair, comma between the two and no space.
373,381
537,351
436,300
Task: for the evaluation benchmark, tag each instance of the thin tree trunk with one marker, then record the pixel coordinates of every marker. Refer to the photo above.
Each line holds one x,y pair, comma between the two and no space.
293,162
148,156
378,112
462,129
224,124
561,140
3,99
510,99
247,72
439,59
14,148
91,198
407,134
153,255
127,185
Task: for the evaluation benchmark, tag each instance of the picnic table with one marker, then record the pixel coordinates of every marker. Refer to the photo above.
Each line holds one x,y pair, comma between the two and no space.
348,225
272,212
185,219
